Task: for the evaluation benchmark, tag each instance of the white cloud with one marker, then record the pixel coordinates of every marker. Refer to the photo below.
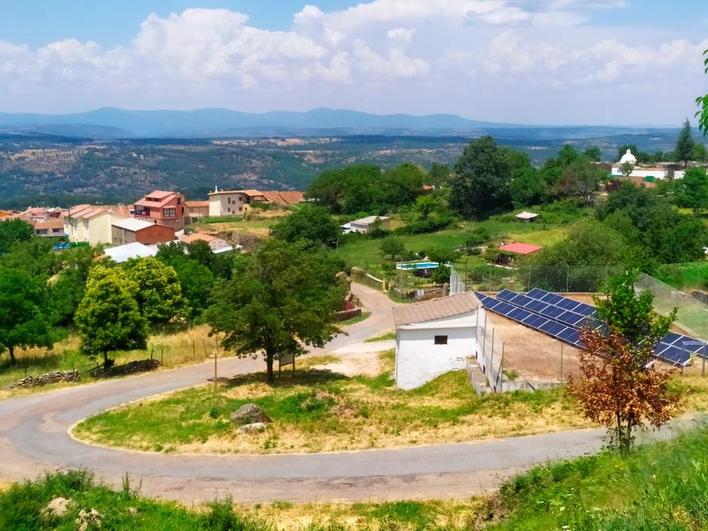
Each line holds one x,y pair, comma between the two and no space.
430,54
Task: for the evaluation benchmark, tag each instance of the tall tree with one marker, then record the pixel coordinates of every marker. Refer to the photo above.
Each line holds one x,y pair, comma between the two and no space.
281,298
480,184
402,184
309,223
158,290
14,231
684,144
22,319
619,388
593,153
108,318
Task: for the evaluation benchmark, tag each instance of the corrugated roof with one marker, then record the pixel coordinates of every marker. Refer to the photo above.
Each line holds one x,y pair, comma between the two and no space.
520,248
422,312
132,224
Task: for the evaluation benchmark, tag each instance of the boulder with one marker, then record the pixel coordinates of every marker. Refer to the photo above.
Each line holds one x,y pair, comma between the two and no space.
255,427
90,519
56,508
249,414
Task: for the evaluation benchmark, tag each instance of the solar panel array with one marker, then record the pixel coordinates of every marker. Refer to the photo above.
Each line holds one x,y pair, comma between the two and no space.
562,318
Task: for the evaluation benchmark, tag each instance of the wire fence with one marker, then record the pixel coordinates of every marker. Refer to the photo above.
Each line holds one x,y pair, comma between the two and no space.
691,315
490,352
559,278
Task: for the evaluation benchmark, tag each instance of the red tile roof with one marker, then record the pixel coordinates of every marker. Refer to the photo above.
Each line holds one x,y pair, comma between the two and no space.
520,248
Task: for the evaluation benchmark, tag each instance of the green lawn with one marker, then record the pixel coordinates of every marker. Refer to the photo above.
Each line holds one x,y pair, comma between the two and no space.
662,486
366,253
316,411
691,275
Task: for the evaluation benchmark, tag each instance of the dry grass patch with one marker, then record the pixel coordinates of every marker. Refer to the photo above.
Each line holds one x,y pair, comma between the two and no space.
401,516
319,411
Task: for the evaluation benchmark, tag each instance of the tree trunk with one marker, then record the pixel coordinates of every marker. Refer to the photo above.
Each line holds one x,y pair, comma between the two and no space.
106,364
11,350
269,364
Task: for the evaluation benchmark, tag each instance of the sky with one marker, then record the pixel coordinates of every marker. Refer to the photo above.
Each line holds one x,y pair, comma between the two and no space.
610,62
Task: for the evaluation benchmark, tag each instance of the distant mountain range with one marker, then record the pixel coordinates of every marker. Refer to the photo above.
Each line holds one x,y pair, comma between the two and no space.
112,123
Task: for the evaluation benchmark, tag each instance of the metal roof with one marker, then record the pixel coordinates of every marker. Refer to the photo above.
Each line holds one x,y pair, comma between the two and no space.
422,312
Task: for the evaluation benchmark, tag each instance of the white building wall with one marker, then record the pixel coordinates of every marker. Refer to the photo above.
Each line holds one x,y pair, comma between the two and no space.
419,359
219,204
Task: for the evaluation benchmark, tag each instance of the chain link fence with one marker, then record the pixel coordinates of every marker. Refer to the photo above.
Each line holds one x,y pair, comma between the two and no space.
692,314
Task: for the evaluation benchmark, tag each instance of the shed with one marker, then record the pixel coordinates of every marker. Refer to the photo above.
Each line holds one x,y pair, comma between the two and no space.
519,248
434,337
526,216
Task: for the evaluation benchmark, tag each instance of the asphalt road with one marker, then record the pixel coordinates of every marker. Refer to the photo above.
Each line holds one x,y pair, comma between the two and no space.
34,438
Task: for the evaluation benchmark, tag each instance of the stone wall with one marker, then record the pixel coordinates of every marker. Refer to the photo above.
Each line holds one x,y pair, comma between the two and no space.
49,378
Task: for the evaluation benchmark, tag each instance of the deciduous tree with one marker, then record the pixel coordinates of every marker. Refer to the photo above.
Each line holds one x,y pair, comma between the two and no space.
480,184
13,231
108,318
158,291
311,224
22,319
281,298
618,387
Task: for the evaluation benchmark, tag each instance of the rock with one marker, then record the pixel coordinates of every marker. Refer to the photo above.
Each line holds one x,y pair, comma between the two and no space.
56,508
49,378
133,510
255,427
90,519
249,414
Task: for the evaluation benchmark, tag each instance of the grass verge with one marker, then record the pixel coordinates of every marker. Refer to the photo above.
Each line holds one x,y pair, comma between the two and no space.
316,411
660,486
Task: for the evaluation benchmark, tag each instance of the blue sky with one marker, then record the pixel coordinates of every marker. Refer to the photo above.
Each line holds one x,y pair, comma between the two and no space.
533,61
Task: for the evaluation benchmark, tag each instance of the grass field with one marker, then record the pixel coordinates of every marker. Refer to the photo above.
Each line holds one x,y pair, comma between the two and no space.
316,411
691,275
659,486
366,253
172,349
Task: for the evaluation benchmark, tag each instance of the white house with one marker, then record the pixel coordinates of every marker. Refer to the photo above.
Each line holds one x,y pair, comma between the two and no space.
434,337
657,172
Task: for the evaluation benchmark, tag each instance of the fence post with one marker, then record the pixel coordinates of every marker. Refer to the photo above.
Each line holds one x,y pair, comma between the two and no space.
491,363
501,370
561,371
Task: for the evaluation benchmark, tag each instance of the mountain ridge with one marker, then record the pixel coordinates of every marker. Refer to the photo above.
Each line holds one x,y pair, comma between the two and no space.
115,123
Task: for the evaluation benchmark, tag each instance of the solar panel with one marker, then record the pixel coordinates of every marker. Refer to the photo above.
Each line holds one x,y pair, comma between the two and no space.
536,306
568,304
570,318
552,328
551,311
537,293
552,298
518,314
585,309
506,295
563,318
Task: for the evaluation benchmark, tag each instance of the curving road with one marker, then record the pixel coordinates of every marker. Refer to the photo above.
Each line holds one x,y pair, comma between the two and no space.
34,439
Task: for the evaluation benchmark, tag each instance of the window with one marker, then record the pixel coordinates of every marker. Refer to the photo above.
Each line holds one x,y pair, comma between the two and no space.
441,340
170,212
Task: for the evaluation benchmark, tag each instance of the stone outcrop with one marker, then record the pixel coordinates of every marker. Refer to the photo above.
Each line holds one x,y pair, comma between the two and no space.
249,414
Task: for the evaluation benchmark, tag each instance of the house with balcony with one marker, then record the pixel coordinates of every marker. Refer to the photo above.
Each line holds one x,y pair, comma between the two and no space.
161,208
